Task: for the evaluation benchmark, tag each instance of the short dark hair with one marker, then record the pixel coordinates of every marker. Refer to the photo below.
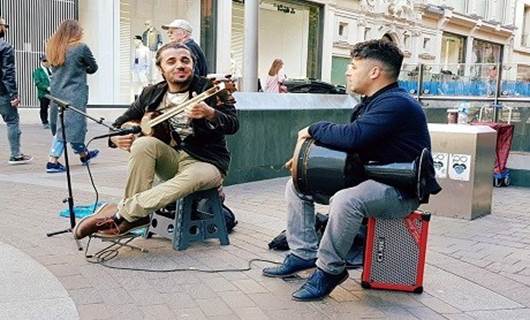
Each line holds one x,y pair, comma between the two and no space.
383,51
173,45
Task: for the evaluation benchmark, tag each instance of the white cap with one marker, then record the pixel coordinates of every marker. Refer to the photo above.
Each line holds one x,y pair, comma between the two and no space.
178,24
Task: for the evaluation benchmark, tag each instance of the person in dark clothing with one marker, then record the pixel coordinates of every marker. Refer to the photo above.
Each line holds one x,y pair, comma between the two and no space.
387,126
196,159
180,31
9,100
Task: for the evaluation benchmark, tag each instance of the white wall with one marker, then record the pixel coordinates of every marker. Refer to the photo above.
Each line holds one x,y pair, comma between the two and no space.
283,36
97,18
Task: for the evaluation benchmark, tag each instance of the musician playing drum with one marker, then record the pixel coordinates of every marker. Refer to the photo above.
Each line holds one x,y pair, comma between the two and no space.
196,158
387,126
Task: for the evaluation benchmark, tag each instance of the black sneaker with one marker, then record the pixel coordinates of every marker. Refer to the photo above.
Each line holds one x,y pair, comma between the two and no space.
21,159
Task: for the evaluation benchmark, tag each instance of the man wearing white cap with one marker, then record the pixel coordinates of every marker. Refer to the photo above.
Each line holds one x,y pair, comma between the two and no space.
180,30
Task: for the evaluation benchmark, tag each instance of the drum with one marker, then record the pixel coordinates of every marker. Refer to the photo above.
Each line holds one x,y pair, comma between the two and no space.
321,172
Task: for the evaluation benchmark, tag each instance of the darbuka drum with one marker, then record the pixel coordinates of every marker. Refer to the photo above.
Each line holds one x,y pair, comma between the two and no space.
321,172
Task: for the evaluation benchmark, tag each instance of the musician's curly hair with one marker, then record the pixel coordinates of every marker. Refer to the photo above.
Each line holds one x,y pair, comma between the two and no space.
381,50
173,45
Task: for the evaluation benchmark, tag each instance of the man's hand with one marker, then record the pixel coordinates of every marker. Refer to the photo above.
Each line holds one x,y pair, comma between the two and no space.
289,165
15,102
201,110
123,142
304,134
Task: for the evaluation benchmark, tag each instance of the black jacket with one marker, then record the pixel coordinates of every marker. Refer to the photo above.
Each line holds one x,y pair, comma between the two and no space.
207,143
8,83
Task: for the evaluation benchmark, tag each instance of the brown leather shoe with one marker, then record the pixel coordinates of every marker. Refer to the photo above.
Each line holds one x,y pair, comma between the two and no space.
102,219
123,227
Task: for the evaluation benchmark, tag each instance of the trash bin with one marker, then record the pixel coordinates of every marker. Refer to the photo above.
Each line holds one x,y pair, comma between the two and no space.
463,157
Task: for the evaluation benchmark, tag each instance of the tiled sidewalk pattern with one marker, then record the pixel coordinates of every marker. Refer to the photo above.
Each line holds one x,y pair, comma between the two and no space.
475,269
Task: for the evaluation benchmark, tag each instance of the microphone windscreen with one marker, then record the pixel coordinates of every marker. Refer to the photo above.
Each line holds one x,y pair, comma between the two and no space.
136,129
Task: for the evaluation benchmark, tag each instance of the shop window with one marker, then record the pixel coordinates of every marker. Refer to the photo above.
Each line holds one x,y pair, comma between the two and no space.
486,55
290,30
338,69
487,52
141,35
523,72
453,53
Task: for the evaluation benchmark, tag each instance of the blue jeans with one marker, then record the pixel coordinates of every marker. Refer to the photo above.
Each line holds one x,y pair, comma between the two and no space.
10,117
347,209
57,148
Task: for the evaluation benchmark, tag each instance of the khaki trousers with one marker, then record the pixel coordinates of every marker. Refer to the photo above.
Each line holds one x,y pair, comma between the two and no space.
181,175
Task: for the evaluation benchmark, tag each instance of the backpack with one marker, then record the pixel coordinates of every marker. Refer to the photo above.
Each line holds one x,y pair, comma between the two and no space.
280,241
230,218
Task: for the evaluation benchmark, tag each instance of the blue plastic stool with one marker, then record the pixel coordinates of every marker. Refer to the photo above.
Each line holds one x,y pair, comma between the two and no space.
196,217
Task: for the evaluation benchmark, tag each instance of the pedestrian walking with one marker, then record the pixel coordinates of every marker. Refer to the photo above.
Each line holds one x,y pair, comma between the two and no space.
71,60
9,100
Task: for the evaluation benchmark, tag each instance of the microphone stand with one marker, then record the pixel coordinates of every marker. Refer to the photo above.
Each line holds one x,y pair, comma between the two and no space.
63,105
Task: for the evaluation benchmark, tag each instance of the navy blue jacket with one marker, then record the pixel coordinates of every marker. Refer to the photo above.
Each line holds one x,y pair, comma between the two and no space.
390,126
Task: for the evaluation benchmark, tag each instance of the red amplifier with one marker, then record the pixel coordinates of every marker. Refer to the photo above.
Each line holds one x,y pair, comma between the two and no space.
394,256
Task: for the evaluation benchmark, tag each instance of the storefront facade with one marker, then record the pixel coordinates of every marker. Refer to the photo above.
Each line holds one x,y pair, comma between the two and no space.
292,30
314,38
444,34
126,64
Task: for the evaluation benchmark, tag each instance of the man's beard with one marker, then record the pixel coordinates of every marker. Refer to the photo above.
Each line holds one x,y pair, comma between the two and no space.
2,33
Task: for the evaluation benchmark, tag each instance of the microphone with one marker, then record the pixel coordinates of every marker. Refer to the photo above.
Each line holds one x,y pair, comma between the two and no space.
60,102
120,132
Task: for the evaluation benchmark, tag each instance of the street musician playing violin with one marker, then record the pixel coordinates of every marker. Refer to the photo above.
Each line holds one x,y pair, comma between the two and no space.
193,157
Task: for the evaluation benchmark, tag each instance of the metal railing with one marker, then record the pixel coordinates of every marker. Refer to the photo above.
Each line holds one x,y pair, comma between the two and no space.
489,82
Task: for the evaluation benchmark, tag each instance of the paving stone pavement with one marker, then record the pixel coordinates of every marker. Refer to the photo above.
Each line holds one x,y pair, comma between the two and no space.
475,269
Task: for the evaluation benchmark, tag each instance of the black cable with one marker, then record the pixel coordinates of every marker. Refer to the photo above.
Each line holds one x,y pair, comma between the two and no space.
105,255
102,257
92,179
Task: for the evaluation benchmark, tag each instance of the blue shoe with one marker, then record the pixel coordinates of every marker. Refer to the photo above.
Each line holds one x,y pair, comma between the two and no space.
290,266
54,167
90,155
319,285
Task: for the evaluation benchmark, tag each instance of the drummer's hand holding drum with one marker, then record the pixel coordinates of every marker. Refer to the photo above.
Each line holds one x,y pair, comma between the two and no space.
302,135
